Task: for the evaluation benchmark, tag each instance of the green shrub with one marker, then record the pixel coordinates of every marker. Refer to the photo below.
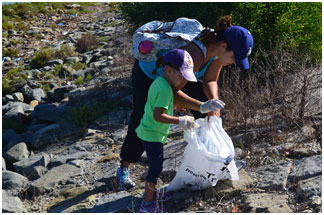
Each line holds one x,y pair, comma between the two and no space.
78,65
64,52
46,88
10,52
43,56
12,73
78,81
7,88
57,69
86,43
7,124
89,77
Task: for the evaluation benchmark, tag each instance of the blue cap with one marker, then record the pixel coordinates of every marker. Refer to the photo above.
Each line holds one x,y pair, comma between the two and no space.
241,41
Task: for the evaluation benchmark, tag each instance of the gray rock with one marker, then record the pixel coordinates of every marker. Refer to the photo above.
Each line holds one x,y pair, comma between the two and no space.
55,62
18,96
309,187
46,135
306,168
86,58
14,113
13,181
63,159
34,166
266,203
11,204
53,177
38,94
274,177
16,152
72,60
26,107
99,64
46,69
83,73
117,202
33,31
61,92
33,84
46,112
9,98
8,135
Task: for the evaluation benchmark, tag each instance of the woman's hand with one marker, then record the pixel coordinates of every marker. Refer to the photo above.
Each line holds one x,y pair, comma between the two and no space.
214,113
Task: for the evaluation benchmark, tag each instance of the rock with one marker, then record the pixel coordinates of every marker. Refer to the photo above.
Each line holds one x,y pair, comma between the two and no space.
33,84
46,112
230,187
34,166
72,200
99,64
18,97
8,135
53,177
33,31
305,149
86,58
83,73
73,6
26,108
9,98
274,177
11,204
309,187
47,135
306,168
117,202
65,158
266,203
55,62
14,113
16,152
119,135
46,69
13,181
33,94
61,92
72,60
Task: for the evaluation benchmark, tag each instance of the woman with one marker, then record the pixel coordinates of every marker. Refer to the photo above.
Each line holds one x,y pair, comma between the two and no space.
213,49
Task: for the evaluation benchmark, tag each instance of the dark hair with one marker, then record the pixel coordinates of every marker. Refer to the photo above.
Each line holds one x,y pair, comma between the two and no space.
161,63
216,34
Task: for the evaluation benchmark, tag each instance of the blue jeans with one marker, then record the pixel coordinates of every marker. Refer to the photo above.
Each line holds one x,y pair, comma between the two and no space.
154,152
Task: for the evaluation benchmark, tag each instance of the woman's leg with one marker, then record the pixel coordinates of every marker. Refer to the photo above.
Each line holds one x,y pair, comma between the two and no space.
132,148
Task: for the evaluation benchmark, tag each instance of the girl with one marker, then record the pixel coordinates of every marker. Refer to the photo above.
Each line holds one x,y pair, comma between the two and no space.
154,127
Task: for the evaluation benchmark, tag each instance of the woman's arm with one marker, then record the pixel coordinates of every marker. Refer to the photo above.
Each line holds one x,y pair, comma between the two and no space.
162,117
186,101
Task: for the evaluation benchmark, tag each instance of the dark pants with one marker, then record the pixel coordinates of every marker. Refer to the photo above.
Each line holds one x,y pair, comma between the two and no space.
132,148
154,152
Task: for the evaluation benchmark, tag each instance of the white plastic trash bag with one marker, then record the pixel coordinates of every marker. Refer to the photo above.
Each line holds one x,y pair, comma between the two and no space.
208,157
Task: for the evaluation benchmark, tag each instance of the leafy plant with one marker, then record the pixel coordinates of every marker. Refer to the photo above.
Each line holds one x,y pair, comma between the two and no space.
43,56
89,77
10,52
78,81
78,65
64,52
87,42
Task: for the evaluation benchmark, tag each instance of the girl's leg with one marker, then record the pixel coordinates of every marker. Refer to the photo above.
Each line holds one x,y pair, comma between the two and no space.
154,151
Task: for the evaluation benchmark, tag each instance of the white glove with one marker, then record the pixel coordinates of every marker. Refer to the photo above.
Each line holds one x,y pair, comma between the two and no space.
188,122
211,105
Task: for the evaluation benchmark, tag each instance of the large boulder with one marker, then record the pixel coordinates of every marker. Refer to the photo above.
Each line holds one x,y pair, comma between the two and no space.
11,204
13,181
46,112
46,135
34,166
61,92
16,152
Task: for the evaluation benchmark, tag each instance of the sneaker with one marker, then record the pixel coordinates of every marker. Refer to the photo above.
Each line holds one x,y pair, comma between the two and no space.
240,164
151,207
123,179
162,196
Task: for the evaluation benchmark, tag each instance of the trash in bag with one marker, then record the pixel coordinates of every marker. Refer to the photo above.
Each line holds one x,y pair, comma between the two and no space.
208,157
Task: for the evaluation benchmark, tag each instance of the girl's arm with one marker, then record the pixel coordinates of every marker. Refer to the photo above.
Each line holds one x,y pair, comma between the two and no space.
162,117
186,101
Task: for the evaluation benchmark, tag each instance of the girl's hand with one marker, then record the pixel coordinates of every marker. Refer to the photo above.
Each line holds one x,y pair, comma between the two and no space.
214,113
